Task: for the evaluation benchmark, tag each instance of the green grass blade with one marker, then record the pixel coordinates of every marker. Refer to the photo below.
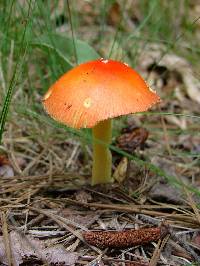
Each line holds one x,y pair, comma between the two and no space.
15,77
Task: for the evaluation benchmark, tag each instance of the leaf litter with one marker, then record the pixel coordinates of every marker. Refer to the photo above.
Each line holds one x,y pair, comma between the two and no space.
27,249
45,207
61,205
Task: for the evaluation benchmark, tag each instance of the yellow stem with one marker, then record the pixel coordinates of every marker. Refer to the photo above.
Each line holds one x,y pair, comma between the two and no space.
102,158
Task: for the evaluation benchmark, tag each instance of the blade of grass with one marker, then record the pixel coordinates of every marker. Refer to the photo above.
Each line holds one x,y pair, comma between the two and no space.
72,31
15,76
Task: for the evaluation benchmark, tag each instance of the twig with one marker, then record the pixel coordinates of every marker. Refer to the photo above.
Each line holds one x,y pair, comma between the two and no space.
27,213
135,209
6,239
157,251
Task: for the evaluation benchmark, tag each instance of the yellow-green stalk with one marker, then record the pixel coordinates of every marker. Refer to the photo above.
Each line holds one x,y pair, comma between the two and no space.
102,158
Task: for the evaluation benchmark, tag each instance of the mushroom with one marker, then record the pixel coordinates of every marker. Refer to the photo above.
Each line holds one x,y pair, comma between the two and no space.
90,95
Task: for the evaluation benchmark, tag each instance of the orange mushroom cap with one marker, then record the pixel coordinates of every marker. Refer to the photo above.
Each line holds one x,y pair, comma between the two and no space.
98,90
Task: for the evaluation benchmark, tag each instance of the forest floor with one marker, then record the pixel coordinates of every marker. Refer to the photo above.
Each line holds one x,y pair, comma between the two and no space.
149,215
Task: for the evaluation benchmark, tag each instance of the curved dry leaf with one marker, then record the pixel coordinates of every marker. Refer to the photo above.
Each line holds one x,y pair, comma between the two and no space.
156,54
121,170
6,169
132,139
27,249
192,86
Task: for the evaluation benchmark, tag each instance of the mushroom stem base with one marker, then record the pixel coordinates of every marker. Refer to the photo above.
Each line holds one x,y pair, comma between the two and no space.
102,158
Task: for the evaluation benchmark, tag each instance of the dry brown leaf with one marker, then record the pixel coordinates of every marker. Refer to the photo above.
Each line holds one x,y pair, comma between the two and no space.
114,14
5,168
121,170
161,191
156,54
4,160
196,239
26,248
57,255
192,85
132,138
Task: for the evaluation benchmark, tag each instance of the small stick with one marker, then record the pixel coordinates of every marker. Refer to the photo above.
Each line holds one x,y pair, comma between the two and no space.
6,239
125,239
156,255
